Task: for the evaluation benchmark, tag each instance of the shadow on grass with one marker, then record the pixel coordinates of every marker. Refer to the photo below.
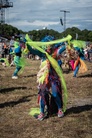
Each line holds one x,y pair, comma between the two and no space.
84,76
30,75
5,90
78,109
66,71
14,103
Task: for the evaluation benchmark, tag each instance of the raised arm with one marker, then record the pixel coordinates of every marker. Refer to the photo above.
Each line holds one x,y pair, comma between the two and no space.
35,52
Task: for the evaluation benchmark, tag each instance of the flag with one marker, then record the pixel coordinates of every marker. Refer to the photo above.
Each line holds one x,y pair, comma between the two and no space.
61,21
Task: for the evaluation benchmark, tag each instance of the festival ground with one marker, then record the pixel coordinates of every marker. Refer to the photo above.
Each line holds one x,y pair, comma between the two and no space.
17,97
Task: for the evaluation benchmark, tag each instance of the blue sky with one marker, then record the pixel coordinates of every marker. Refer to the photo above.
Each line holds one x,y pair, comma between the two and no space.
30,15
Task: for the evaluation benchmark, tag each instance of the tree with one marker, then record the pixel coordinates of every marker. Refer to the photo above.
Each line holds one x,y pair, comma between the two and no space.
36,35
90,36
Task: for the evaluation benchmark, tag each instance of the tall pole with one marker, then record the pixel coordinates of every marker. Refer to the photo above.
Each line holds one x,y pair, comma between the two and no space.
64,17
4,4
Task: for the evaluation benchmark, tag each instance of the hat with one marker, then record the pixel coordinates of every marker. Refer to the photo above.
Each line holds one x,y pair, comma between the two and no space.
47,38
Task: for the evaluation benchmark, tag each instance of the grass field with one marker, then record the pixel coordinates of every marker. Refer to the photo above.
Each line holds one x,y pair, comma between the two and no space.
17,97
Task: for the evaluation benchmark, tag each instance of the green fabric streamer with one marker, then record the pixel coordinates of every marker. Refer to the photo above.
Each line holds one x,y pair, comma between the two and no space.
52,61
21,62
78,43
12,53
34,111
5,60
16,44
60,74
38,43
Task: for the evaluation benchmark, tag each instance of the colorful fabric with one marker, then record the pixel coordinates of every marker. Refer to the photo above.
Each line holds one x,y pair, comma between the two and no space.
42,75
34,111
71,62
16,44
35,44
20,62
78,43
83,67
77,61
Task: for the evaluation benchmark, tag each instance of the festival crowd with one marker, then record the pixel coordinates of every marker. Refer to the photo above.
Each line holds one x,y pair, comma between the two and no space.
54,54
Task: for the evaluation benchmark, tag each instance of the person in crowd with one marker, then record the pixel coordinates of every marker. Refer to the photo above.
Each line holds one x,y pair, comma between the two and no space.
90,52
2,51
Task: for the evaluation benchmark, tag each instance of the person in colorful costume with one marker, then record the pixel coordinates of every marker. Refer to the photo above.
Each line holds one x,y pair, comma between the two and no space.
18,59
70,56
79,65
48,77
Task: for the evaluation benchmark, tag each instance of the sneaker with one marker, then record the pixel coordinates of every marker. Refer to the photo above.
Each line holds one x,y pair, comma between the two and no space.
14,77
40,116
60,113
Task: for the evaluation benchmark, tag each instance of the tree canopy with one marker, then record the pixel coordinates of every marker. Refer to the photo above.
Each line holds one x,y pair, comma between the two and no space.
8,31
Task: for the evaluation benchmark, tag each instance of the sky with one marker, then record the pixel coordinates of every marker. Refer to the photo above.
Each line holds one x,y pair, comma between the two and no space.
29,15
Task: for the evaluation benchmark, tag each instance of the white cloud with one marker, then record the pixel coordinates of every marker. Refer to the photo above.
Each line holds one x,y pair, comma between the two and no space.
33,14
35,23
